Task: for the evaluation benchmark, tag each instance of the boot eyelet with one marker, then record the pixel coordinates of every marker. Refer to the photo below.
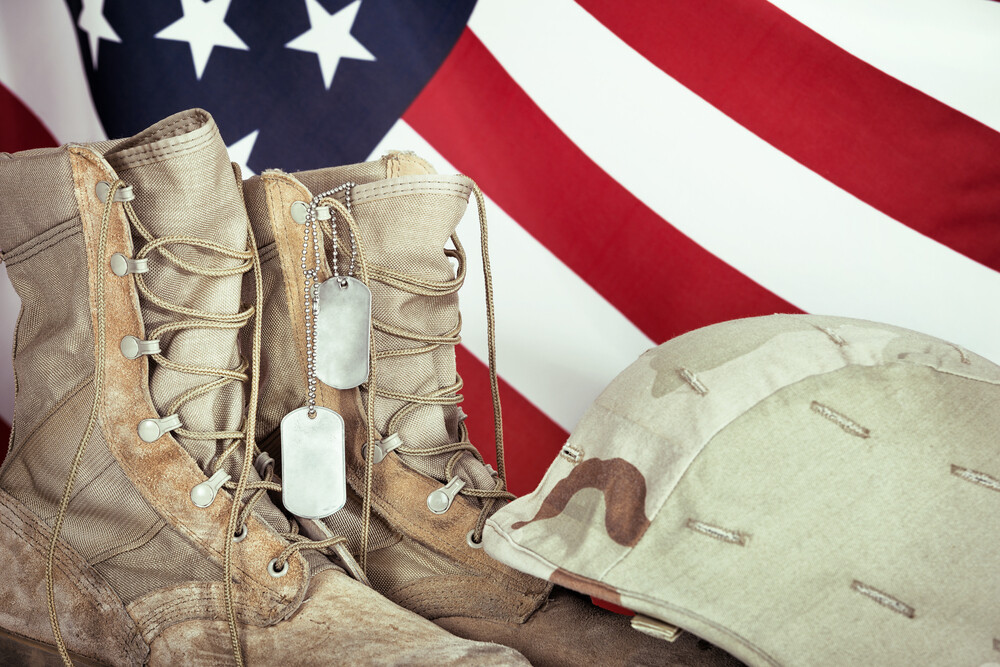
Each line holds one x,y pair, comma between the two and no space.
122,194
240,536
203,495
472,542
123,266
262,462
150,430
439,500
299,211
383,447
275,572
133,348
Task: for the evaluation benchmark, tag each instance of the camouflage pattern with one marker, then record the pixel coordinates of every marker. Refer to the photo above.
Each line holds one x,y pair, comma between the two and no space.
798,490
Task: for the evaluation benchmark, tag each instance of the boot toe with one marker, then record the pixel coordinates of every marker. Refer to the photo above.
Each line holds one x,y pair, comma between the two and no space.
340,622
570,630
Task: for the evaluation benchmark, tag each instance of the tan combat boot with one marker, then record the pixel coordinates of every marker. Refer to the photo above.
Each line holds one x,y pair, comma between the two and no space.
116,497
430,492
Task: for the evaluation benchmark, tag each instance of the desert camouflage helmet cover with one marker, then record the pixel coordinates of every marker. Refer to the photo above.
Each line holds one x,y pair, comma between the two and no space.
798,490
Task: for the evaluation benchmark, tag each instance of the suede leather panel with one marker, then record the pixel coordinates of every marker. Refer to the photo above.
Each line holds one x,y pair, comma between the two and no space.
162,471
400,496
399,493
92,618
434,597
570,631
281,190
341,622
203,600
405,164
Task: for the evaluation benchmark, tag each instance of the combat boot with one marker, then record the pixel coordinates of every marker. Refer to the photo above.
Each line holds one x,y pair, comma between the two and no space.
129,499
387,224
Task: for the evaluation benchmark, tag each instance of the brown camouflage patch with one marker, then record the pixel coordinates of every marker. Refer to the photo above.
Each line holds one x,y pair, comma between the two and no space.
624,490
585,585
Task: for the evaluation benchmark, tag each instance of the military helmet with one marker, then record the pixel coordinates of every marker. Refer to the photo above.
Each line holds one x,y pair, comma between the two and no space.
798,490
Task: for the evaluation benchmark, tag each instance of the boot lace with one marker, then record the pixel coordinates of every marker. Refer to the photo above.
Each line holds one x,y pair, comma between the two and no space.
428,343
252,490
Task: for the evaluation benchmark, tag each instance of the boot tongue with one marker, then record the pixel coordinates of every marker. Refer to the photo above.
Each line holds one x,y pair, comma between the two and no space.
184,185
408,234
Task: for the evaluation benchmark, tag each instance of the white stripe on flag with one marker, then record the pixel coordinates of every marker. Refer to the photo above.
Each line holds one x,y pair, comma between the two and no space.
948,49
559,342
755,208
40,62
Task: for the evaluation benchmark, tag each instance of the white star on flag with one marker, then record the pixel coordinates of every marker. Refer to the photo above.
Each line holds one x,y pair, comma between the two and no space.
203,26
330,38
240,151
93,22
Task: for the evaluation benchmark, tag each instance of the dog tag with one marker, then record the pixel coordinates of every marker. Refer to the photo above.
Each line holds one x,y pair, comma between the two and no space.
313,463
343,331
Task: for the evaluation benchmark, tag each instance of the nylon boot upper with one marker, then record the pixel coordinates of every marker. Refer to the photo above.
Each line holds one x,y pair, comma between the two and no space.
430,562
128,257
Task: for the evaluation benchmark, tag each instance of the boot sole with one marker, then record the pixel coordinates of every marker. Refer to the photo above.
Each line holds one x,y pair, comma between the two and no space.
18,650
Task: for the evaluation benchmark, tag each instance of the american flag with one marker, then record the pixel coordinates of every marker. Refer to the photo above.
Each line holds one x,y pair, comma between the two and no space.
652,166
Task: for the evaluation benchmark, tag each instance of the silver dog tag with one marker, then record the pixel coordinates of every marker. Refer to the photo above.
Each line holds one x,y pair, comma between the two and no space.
343,331
313,463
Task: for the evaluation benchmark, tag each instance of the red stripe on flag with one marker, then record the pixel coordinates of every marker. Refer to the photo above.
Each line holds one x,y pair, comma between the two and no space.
531,439
901,151
20,128
475,114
